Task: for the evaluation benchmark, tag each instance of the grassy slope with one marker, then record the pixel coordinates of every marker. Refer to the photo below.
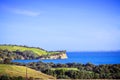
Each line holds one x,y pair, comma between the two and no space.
66,69
13,70
21,48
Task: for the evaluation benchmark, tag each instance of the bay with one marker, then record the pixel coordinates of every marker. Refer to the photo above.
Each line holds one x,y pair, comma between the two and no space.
84,57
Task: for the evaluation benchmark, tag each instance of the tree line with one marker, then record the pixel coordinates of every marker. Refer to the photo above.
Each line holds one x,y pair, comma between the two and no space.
85,71
17,54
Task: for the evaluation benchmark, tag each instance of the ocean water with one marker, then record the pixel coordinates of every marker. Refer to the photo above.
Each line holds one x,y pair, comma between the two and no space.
84,57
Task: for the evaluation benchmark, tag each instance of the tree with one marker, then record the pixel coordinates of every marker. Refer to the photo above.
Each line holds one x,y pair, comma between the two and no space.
7,61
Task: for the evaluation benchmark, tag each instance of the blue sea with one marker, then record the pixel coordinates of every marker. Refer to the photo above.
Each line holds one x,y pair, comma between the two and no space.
84,57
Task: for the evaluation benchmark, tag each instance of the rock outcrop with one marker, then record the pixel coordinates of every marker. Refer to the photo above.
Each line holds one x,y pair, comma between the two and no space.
58,56
61,55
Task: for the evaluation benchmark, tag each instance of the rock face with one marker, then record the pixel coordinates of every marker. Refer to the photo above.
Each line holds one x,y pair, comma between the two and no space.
59,56
56,56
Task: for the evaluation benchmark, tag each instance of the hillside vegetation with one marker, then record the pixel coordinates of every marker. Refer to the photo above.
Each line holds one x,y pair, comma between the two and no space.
37,51
24,52
13,70
78,70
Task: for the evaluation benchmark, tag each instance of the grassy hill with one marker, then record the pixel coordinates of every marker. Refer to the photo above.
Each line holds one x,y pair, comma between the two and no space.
37,51
13,70
22,48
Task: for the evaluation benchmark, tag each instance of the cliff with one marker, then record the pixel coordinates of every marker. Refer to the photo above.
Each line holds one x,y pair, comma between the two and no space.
56,56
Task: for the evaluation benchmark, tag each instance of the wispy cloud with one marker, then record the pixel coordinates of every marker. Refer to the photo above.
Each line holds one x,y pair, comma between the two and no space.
26,12
21,11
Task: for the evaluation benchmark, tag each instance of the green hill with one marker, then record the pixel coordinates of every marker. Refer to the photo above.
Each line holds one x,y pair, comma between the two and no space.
13,70
24,52
37,51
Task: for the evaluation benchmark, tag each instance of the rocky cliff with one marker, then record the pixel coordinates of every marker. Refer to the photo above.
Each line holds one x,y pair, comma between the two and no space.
61,55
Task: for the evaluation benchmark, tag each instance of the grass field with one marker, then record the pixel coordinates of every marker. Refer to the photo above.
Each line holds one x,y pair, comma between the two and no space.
37,51
66,69
13,70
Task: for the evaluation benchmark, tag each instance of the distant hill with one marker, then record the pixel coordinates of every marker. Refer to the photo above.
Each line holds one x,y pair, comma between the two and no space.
37,51
24,52
13,70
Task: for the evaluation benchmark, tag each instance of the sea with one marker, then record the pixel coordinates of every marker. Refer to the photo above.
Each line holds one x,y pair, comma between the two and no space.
96,58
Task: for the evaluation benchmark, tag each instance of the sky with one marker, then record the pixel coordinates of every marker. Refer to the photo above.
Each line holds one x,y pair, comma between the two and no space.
72,25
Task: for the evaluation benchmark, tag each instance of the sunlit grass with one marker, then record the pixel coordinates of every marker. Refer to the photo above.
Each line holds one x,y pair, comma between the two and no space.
13,70
66,69
38,52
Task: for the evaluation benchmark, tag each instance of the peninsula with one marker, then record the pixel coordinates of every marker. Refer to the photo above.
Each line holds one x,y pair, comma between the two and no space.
24,52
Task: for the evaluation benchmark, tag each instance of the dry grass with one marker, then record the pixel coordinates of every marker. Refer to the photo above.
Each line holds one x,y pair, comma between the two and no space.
13,70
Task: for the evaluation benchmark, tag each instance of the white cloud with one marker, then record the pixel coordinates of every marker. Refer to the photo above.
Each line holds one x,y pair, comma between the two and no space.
26,12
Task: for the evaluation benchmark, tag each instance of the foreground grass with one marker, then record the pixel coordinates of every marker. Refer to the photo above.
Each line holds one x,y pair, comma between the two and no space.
13,70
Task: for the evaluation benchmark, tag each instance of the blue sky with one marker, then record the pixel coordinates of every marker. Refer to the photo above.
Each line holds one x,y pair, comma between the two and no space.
72,25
